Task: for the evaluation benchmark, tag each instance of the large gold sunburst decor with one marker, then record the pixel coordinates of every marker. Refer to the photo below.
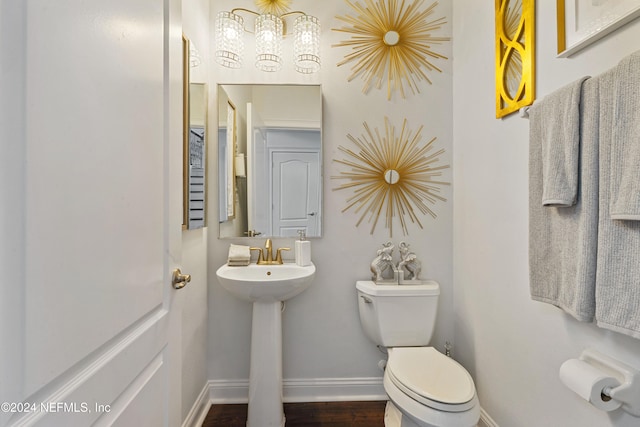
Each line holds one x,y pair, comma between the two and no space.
393,42
274,7
392,173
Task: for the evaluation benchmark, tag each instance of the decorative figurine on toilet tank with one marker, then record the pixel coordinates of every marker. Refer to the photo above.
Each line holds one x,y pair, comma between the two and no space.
382,263
409,262
406,272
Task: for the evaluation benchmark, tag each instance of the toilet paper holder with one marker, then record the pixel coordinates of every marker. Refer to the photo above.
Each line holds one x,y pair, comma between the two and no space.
628,392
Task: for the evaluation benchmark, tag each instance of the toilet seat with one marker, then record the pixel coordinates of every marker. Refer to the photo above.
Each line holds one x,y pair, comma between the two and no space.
431,378
416,414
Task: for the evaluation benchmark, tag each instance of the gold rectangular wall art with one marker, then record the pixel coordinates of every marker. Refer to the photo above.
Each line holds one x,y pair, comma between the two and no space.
515,55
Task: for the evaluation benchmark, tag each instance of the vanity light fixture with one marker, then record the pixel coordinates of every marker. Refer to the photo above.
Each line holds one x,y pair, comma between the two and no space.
270,27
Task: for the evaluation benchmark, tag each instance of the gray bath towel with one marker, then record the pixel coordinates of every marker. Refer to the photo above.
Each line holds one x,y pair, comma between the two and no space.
625,144
556,124
562,240
618,273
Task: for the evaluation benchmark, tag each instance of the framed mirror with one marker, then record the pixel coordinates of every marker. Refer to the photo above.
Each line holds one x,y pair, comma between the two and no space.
277,162
194,146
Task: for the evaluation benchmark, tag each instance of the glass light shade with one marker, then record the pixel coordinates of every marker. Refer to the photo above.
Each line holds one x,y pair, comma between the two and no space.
229,39
269,35
306,44
194,56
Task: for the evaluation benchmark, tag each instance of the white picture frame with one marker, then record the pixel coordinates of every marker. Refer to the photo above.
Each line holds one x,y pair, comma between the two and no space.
583,22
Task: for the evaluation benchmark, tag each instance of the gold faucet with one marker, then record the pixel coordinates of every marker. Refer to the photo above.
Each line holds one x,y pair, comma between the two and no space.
266,258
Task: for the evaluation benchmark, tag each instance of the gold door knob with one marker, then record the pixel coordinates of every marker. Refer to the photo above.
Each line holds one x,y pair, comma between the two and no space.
180,280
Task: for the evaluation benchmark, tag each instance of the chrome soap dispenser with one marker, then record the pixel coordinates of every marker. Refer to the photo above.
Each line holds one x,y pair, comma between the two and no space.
302,250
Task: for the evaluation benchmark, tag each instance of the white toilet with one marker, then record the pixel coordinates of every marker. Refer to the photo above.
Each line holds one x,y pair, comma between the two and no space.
425,387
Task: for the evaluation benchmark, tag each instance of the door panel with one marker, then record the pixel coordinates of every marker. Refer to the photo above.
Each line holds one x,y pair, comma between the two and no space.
102,388
93,211
102,155
295,188
131,409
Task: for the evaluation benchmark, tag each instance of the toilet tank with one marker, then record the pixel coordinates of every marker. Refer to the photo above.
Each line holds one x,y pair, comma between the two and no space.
398,315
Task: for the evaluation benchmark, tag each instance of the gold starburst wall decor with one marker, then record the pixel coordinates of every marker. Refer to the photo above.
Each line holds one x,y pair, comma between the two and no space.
391,41
392,173
515,55
274,7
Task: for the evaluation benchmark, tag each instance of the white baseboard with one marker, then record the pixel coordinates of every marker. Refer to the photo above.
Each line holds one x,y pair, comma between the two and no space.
333,389
199,410
485,420
228,391
304,390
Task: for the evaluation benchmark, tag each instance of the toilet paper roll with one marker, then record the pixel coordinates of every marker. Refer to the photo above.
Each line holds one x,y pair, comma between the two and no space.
589,382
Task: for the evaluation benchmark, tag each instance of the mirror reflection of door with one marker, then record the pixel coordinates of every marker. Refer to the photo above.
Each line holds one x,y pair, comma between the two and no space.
286,181
257,198
295,185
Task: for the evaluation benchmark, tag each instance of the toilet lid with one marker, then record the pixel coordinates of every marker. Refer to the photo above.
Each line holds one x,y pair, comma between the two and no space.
428,375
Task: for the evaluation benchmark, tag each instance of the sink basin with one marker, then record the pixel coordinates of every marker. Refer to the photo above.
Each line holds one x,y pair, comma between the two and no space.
266,282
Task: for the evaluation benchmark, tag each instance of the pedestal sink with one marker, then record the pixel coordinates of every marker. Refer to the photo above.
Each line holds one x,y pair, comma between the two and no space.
266,286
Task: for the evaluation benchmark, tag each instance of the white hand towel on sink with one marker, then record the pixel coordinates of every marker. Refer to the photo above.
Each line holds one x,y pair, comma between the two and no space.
239,255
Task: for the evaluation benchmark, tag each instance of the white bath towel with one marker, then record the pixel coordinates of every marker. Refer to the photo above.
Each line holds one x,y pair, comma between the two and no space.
563,240
625,143
618,272
554,122
239,255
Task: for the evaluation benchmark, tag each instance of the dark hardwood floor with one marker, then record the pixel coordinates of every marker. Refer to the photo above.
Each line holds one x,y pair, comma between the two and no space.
316,414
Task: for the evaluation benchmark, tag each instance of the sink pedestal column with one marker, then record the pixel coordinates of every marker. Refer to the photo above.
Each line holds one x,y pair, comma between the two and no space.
265,377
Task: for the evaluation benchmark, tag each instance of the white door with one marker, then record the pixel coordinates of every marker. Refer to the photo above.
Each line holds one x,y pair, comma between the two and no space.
296,192
91,217
257,174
